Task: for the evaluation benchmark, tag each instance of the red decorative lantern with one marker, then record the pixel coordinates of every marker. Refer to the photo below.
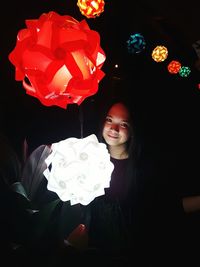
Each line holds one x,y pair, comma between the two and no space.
58,59
91,8
174,67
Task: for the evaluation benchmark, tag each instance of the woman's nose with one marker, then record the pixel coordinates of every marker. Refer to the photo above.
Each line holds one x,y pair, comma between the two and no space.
114,127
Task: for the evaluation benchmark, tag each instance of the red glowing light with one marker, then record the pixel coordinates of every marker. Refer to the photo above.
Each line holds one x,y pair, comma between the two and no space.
60,57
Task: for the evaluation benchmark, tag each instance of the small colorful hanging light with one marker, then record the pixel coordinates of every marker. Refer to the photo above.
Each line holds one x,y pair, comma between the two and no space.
184,71
136,43
174,67
59,59
91,8
159,53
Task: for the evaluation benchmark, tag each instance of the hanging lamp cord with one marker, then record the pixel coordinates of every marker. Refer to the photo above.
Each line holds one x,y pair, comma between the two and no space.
81,120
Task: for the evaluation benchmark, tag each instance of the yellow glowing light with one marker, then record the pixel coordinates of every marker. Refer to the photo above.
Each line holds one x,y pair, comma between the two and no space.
160,53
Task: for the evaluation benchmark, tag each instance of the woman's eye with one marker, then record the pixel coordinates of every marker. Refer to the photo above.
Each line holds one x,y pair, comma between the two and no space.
124,125
108,120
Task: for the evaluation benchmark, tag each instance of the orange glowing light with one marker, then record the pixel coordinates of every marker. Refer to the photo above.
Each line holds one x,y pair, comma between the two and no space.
91,8
160,53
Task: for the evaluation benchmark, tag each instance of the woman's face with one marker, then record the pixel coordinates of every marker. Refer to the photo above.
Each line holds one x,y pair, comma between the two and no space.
116,130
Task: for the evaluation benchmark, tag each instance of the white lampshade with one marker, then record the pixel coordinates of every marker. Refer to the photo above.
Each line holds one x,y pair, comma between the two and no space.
78,170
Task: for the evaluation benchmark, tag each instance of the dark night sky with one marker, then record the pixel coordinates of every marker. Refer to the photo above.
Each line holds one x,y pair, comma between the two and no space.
168,105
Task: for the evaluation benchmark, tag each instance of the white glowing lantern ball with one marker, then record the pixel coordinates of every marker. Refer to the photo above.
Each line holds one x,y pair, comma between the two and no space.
78,170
